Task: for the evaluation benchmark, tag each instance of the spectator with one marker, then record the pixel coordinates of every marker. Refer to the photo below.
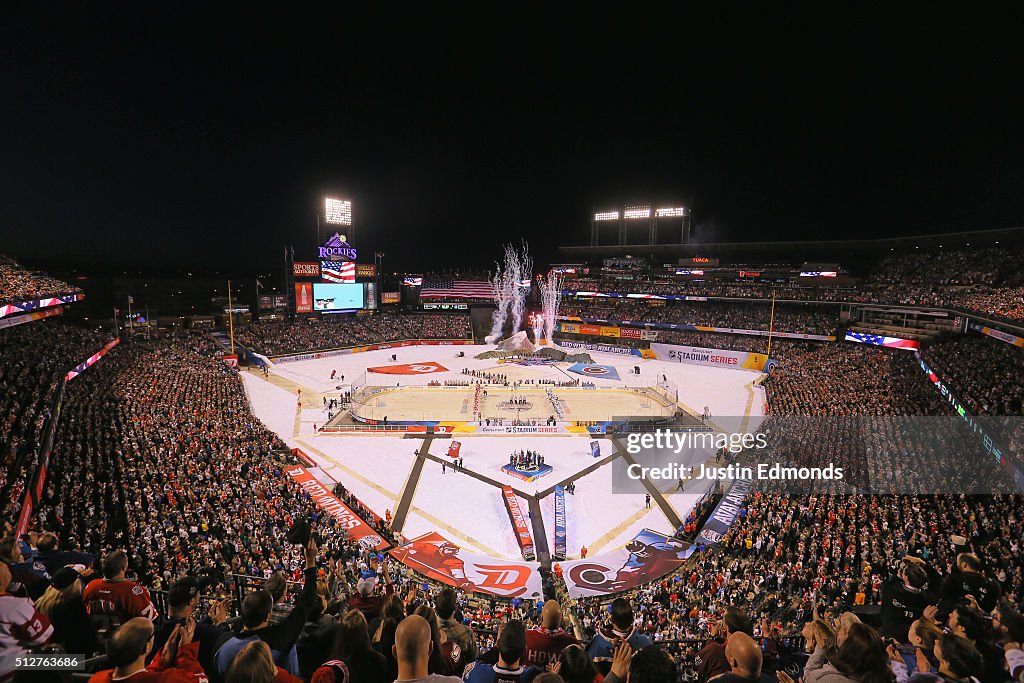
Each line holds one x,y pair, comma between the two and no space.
745,661
511,646
53,559
131,643
546,642
712,659
649,665
255,663
974,625
574,666
62,604
21,625
445,604
182,602
621,627
859,657
29,579
412,652
967,579
958,660
906,595
351,651
277,586
115,596
255,612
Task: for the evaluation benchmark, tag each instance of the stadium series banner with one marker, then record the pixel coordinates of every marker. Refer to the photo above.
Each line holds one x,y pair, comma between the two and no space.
647,557
358,530
725,512
559,544
996,334
719,358
436,557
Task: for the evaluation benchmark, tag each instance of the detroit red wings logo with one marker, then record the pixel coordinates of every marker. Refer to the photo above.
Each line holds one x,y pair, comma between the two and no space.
409,369
437,557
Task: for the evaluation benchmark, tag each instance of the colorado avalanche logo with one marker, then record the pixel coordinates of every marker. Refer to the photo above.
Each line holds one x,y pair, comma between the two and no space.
593,576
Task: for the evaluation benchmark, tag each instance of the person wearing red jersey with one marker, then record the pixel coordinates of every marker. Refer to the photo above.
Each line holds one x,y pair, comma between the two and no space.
116,596
21,625
545,643
128,647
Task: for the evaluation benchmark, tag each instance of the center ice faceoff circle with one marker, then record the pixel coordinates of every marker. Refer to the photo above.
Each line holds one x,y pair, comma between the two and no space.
461,496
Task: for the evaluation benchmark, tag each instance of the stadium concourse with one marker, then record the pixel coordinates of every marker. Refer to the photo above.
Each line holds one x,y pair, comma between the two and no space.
168,471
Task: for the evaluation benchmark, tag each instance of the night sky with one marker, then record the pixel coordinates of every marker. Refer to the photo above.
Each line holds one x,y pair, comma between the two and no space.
198,139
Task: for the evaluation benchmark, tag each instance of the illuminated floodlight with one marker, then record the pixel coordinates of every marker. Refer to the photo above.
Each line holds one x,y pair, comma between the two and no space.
637,213
670,212
607,216
337,211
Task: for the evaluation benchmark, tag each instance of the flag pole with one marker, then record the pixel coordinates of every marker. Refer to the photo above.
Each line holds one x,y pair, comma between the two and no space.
231,319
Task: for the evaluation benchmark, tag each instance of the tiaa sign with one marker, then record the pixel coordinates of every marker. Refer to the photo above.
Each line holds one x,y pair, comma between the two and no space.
336,246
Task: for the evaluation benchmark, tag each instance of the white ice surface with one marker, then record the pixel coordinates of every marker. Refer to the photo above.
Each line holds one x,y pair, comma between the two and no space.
470,512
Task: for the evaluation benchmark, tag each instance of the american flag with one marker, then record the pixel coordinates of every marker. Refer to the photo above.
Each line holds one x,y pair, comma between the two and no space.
445,288
338,271
878,340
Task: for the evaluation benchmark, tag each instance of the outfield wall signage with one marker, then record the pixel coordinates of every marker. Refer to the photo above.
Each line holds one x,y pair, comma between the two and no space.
719,358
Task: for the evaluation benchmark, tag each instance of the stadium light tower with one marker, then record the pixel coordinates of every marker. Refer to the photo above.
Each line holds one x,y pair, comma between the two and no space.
335,212
639,223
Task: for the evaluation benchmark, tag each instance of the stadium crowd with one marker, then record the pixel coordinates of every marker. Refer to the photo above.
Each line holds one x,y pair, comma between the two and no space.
33,361
987,281
20,284
162,479
272,338
795,318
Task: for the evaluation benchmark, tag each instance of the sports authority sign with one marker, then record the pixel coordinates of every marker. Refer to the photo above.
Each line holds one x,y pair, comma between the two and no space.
409,369
435,556
358,530
309,269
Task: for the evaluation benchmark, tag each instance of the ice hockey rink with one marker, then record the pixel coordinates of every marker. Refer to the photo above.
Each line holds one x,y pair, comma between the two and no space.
467,507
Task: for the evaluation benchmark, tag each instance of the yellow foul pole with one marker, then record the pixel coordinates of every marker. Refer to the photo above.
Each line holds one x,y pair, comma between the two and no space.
230,318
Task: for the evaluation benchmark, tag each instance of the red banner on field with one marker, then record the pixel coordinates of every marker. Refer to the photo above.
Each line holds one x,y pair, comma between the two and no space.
522,529
409,369
437,558
358,530
453,449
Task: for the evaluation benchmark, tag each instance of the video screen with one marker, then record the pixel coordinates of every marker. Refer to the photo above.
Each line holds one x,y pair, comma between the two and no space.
329,296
